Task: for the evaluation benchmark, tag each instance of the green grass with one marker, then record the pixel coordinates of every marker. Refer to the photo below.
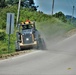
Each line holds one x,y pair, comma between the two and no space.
4,44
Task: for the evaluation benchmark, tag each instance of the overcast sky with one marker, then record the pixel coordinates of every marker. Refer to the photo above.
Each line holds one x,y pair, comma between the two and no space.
66,6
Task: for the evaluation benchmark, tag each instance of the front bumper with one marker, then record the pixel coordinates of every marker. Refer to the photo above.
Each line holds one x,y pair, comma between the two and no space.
31,45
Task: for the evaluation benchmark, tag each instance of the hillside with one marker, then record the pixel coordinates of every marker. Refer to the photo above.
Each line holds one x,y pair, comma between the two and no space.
48,26
54,27
25,13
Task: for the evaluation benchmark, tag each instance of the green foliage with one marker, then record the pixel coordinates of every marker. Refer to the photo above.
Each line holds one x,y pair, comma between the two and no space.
4,44
24,15
3,48
61,16
3,15
2,34
2,3
33,15
24,3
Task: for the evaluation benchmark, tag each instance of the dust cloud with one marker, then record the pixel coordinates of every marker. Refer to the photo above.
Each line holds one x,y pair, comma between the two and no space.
51,39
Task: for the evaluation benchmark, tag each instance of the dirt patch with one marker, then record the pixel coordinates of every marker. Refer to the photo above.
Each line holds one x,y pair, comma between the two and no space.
6,56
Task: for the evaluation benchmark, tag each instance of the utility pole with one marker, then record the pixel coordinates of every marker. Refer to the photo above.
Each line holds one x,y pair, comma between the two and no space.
52,6
73,12
18,13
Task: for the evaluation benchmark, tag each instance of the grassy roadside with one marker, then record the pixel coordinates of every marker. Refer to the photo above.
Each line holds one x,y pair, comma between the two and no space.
54,27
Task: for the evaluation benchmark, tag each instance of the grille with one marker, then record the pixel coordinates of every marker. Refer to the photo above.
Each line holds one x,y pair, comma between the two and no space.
27,39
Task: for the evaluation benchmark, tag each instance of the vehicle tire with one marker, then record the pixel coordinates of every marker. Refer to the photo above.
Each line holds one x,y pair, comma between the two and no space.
18,36
43,45
37,46
17,46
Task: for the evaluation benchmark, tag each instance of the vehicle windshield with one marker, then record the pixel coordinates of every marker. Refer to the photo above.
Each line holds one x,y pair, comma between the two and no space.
26,27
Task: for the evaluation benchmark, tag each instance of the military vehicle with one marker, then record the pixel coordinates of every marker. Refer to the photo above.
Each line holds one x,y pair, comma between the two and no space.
29,37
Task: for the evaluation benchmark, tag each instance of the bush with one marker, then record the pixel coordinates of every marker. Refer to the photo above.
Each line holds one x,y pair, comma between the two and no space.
61,16
2,34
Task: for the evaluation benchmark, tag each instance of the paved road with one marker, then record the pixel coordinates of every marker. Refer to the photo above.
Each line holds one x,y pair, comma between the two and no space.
59,60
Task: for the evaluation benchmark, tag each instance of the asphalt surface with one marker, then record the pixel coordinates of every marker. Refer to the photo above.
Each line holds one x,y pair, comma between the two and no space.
59,60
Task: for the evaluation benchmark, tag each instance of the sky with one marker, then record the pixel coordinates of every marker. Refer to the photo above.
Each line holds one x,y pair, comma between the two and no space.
65,6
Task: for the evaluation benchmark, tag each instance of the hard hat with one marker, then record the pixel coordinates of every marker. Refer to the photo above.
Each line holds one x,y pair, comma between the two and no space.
27,21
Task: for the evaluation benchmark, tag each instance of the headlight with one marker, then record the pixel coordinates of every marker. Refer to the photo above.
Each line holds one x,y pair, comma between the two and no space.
30,32
27,39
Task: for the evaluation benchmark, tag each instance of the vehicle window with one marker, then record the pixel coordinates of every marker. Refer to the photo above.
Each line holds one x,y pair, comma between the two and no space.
26,27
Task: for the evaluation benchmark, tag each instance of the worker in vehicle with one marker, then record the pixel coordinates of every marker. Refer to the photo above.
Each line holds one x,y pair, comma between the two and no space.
22,23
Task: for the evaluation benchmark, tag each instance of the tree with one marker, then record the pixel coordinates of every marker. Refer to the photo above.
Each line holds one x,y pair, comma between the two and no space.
29,4
60,15
11,2
2,3
24,3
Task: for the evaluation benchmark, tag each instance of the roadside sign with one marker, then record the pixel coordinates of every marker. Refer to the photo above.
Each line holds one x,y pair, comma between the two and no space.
9,27
10,23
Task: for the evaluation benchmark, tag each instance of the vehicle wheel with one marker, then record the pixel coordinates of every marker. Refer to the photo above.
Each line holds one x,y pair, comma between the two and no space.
43,45
37,46
18,36
17,46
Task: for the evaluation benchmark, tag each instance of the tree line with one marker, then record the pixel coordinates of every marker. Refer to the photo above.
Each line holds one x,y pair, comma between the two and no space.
24,3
